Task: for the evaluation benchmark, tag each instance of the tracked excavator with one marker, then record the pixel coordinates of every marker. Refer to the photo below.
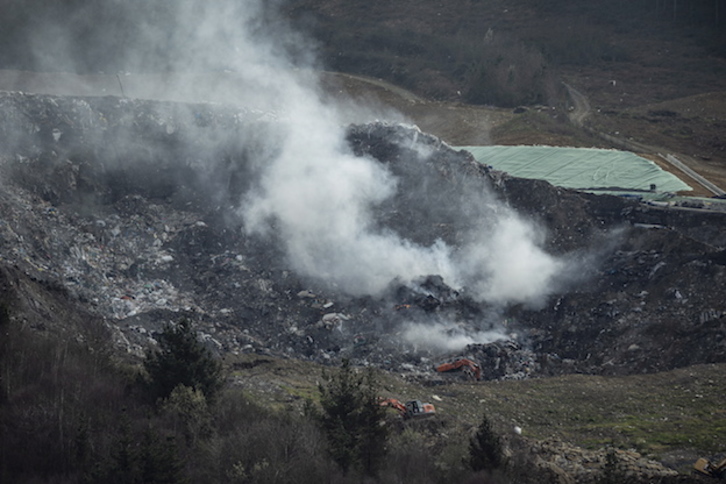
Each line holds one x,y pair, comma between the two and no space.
470,367
413,409
704,466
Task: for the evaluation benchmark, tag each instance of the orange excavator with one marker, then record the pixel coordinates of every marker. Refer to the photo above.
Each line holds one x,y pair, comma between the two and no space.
469,367
413,409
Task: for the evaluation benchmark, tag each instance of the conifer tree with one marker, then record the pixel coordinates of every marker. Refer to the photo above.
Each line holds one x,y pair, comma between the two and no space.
351,420
485,448
182,360
159,460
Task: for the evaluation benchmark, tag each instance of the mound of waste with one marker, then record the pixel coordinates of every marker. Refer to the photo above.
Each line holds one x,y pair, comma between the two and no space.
125,214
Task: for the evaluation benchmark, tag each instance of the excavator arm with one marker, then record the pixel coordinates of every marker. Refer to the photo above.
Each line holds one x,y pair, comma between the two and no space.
393,403
470,367
411,409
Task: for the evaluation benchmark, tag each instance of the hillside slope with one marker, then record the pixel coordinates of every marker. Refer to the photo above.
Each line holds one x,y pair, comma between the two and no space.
651,75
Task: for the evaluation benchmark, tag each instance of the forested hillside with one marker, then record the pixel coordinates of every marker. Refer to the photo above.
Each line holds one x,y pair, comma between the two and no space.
493,52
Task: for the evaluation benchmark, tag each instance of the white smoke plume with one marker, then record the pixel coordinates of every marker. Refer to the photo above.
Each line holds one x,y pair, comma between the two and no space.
506,262
447,337
320,198
313,192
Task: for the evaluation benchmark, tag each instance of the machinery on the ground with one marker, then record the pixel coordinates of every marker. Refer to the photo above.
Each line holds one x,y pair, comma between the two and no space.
469,367
704,466
413,409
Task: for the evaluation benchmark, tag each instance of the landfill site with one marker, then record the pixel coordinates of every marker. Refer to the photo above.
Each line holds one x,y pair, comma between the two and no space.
121,216
347,242
127,213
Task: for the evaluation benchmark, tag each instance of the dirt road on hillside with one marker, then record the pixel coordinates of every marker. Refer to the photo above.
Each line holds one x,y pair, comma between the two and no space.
463,125
673,163
581,106
456,123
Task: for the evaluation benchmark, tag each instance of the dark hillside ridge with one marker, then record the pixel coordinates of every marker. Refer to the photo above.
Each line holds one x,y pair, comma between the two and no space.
123,214
499,52
502,52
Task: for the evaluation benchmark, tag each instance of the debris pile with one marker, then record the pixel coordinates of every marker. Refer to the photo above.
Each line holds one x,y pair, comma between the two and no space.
504,360
563,463
130,209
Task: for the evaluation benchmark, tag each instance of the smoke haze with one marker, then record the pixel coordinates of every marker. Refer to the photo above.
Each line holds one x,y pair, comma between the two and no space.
447,337
313,192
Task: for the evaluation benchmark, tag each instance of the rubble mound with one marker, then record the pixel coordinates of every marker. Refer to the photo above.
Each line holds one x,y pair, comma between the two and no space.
130,210
564,464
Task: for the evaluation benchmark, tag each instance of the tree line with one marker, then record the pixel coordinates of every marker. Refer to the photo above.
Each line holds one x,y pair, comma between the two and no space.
71,412
700,12
509,69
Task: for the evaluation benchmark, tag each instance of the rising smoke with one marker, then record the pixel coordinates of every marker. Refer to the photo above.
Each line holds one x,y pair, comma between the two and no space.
321,200
446,336
313,192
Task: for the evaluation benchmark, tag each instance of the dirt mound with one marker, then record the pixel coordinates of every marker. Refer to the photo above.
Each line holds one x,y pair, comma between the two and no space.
131,210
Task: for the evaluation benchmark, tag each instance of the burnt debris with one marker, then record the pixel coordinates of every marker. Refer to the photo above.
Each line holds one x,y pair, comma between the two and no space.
129,210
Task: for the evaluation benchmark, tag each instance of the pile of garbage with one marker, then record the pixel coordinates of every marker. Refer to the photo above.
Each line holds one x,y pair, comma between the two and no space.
130,210
563,463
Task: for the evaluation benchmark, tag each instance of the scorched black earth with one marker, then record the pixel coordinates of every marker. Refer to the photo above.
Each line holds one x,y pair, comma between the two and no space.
125,214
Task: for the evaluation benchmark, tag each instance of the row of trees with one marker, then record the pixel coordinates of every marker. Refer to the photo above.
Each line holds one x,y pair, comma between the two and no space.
71,414
708,13
353,423
699,11
457,62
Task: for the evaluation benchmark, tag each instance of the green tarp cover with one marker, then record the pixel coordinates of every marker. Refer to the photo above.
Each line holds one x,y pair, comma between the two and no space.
586,169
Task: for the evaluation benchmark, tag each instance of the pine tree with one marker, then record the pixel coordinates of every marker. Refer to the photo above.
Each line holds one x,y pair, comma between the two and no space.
351,420
485,448
187,412
182,360
122,469
159,460
372,435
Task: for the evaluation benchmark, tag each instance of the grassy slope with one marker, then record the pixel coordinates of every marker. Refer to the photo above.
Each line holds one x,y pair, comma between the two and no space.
679,412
